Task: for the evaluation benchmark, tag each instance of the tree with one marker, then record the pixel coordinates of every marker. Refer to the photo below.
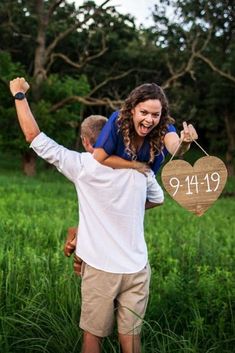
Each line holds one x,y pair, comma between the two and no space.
87,60
71,43
49,23
204,31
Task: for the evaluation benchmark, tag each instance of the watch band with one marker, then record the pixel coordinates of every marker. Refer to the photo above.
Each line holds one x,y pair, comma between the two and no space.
19,96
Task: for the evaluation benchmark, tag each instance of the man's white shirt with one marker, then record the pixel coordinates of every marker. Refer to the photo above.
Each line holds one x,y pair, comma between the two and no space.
111,207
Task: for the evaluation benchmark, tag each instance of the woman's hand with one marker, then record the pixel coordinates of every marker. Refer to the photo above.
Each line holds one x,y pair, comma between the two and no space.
186,138
179,145
188,134
141,167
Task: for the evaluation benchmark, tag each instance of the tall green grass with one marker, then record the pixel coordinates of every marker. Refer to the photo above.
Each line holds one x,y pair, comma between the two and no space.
191,306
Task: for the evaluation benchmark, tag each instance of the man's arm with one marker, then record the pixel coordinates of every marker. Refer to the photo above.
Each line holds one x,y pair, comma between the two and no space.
155,195
26,119
149,204
66,161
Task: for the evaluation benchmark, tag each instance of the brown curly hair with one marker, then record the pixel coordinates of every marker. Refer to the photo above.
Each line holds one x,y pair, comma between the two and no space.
125,123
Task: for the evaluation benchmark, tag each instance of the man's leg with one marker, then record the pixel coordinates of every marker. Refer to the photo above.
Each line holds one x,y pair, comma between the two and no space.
91,343
131,306
99,290
130,343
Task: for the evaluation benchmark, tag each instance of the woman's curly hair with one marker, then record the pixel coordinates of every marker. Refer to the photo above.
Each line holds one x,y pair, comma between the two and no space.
125,120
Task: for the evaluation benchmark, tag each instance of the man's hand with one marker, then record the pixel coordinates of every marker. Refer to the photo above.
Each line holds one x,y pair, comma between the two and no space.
70,243
18,85
26,119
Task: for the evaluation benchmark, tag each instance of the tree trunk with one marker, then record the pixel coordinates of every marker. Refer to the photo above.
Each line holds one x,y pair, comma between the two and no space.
39,73
29,163
230,128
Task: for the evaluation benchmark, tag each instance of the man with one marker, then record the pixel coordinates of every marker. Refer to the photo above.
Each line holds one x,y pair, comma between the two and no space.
90,129
115,273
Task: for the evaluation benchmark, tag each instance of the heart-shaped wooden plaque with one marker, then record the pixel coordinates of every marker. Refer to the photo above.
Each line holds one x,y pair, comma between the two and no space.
195,188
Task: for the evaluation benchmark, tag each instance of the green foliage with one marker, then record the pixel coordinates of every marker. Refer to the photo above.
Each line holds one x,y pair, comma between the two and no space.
62,124
57,88
193,286
9,130
9,69
201,96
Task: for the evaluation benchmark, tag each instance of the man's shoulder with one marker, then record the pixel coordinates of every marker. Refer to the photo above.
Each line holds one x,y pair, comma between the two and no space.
92,166
86,157
90,163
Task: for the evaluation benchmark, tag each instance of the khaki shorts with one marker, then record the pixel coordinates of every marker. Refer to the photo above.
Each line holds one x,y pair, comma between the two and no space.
106,295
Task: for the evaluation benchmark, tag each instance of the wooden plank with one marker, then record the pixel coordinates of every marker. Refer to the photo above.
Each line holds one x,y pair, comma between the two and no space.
196,187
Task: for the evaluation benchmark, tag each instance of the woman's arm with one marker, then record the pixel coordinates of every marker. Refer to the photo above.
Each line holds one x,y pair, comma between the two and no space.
105,149
117,162
187,135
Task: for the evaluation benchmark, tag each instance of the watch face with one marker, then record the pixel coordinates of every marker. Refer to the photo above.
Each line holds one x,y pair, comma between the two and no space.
19,95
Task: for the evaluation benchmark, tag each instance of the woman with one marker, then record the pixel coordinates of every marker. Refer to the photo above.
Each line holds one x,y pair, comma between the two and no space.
142,133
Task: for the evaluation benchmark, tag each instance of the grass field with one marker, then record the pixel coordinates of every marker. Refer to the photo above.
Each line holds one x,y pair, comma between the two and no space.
192,301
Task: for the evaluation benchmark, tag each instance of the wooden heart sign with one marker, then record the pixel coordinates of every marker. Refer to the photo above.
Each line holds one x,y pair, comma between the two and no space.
195,188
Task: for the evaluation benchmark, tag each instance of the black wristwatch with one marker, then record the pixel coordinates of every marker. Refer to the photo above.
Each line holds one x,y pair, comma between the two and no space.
20,96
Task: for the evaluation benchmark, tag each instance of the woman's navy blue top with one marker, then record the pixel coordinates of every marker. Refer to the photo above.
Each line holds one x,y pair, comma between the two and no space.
111,140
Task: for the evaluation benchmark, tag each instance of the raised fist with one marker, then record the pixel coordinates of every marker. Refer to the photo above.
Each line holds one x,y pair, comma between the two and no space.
18,85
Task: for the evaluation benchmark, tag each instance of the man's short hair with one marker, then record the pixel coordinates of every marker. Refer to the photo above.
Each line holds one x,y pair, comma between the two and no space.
92,126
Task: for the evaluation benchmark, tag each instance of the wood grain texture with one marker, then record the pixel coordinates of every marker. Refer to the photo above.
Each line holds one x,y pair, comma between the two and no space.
196,187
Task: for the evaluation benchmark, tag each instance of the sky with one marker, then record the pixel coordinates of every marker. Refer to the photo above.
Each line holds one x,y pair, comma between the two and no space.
140,9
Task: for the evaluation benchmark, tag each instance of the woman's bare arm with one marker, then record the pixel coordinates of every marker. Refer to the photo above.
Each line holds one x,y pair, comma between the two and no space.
117,162
172,141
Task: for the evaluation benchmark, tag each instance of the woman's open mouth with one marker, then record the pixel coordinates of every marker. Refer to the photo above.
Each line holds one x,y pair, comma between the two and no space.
144,129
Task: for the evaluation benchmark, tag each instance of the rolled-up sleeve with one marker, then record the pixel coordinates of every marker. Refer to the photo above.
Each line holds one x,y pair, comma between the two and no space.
108,138
171,128
154,191
67,162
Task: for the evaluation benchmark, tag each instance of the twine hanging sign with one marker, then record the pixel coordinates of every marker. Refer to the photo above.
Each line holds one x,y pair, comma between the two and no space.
196,187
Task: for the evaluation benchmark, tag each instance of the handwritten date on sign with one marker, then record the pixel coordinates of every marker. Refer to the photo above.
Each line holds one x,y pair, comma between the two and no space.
195,188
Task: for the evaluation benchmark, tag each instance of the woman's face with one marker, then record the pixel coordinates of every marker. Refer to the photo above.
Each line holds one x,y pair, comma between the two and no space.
146,115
